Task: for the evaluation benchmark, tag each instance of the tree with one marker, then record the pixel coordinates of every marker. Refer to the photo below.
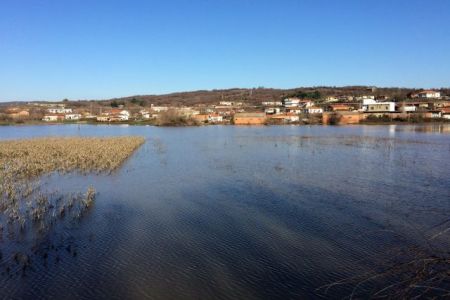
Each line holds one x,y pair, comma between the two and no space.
114,103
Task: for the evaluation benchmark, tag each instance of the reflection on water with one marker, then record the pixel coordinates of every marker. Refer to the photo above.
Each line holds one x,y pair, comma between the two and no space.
241,212
432,127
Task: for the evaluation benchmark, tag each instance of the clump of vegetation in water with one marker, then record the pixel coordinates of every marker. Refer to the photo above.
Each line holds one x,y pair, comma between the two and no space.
28,213
173,118
25,159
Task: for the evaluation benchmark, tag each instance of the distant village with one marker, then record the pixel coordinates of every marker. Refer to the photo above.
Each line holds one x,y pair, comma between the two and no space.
425,105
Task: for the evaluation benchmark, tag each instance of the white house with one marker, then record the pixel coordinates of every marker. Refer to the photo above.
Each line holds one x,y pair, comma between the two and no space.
306,103
88,116
408,108
294,110
366,103
286,118
272,110
144,114
427,94
72,117
272,103
123,115
365,97
215,118
59,110
314,110
381,107
118,115
292,118
159,108
435,114
103,118
291,102
330,99
53,117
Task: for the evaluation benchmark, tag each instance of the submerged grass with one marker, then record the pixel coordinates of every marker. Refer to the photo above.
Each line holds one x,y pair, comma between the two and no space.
27,212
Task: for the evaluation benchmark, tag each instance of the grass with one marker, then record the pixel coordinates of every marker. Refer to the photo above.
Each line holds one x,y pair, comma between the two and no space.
25,159
26,210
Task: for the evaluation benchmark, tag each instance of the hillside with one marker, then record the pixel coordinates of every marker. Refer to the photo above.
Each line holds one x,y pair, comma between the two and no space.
257,95
248,96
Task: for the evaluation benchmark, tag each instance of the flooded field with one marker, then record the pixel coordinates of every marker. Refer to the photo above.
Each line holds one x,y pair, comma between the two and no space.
282,212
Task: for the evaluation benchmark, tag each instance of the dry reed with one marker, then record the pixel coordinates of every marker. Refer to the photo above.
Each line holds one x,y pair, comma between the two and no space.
24,208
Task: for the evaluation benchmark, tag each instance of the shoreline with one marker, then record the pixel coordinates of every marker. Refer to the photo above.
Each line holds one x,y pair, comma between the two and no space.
144,123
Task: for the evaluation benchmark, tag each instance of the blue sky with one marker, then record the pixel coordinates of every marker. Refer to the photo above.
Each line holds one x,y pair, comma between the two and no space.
87,49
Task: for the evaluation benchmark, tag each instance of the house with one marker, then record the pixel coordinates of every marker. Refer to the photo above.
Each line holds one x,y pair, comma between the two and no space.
272,103
381,107
215,118
210,118
365,97
272,110
72,117
53,117
427,94
59,110
330,99
294,110
407,107
88,116
159,108
291,102
314,110
344,98
103,118
441,104
249,118
366,103
306,103
227,111
445,113
145,114
434,114
114,115
286,118
118,115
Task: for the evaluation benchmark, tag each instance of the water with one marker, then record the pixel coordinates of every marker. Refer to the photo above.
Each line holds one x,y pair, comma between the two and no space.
245,212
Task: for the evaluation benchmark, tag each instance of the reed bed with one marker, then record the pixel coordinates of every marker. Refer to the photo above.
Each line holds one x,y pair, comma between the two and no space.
29,158
29,213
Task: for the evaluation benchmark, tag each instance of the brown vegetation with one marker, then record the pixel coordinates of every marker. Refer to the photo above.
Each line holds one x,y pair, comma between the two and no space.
25,209
173,118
